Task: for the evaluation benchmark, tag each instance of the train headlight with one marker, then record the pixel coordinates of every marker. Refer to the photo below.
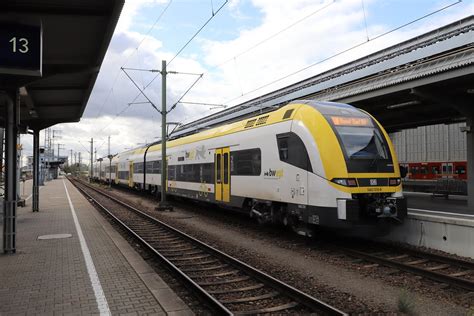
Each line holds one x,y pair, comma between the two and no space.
349,182
394,181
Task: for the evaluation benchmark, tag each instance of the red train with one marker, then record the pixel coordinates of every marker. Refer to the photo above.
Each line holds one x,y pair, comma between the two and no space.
436,170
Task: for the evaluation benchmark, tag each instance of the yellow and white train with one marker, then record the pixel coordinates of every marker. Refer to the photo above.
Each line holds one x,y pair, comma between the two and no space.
306,164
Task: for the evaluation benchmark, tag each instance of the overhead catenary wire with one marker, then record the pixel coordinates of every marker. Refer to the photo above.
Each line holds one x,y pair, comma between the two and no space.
319,62
198,31
275,34
141,91
130,55
186,92
345,51
365,21
184,46
84,147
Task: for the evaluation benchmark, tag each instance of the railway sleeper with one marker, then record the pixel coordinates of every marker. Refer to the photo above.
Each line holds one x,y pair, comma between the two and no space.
439,267
190,258
183,264
241,289
250,299
221,266
268,309
239,279
215,275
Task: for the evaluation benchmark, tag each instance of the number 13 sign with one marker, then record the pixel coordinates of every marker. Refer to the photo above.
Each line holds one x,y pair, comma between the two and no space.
20,49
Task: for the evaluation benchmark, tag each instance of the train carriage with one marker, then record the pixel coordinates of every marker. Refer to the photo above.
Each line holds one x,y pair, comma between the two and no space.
306,164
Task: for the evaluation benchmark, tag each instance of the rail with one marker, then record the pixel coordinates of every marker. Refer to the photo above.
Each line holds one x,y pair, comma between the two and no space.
448,270
214,275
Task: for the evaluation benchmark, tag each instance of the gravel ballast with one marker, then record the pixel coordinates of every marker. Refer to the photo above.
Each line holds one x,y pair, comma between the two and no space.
333,278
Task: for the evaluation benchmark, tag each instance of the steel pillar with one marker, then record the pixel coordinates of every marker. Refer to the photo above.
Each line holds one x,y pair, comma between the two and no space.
164,168
470,163
10,202
36,170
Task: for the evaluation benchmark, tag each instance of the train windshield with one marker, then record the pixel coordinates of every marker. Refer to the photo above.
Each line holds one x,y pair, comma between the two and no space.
363,144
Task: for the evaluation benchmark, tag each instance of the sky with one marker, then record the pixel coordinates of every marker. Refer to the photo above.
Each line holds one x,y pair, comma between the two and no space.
245,46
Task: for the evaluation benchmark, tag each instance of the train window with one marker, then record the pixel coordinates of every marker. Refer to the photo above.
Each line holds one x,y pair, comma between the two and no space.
293,151
444,169
192,172
207,173
450,169
283,148
226,168
460,170
138,167
434,169
153,167
218,166
246,162
123,175
171,172
288,114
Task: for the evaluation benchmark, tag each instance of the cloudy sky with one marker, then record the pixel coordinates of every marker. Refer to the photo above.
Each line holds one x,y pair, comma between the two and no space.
245,46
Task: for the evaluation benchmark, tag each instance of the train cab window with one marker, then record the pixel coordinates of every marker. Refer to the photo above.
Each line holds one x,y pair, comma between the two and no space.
450,169
283,148
444,169
292,150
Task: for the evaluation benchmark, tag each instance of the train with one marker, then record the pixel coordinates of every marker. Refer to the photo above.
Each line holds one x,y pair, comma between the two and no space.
306,165
436,177
433,170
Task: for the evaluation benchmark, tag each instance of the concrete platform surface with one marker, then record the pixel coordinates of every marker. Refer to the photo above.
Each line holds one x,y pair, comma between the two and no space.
425,201
70,261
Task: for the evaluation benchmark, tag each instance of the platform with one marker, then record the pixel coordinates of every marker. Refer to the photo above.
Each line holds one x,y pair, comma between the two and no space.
437,223
426,201
70,260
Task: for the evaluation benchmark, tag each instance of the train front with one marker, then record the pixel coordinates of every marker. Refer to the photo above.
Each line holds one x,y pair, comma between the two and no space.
361,174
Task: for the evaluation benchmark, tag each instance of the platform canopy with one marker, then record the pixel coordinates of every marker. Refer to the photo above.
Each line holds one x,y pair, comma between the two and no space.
75,38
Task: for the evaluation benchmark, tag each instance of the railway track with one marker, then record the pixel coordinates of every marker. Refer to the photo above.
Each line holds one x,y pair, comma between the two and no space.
225,284
446,270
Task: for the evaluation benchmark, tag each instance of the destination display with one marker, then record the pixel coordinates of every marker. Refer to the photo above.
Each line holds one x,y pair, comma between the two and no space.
20,49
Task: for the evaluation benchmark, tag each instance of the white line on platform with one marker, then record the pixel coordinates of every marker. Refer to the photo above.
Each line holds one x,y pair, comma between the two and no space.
99,293
440,212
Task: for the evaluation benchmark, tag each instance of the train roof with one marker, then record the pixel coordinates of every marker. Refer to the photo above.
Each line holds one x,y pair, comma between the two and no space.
254,121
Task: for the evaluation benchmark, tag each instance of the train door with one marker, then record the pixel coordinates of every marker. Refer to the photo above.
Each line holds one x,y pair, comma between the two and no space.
130,173
450,168
447,168
222,174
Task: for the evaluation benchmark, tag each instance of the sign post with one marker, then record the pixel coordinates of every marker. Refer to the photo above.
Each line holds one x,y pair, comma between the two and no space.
20,61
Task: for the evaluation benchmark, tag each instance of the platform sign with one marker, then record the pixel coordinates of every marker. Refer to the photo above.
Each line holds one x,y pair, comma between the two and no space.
21,49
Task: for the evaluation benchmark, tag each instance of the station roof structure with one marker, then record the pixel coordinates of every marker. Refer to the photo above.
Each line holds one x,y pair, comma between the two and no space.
422,81
76,35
